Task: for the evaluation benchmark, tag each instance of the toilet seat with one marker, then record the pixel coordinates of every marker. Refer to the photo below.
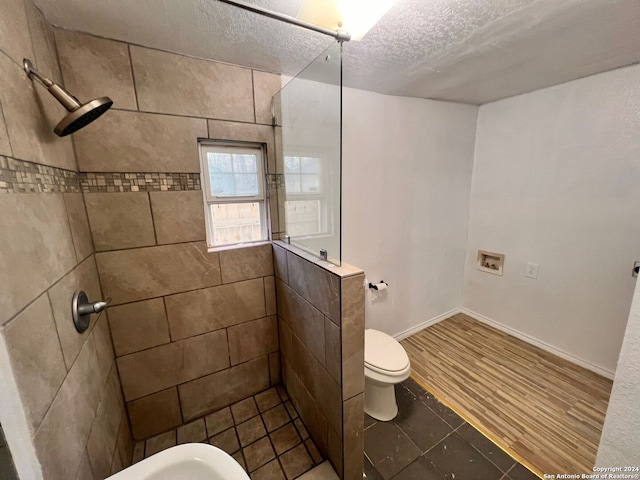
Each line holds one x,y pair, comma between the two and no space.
384,354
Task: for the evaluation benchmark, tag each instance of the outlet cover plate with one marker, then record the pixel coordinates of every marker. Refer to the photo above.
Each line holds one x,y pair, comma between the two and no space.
531,270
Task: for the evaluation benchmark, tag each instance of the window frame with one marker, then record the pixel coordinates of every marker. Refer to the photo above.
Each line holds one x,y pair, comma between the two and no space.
209,199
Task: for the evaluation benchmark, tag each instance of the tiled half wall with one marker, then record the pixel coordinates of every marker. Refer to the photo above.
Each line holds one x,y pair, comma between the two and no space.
321,328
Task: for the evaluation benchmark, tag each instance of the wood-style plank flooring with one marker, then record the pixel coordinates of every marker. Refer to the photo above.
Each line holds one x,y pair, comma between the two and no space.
544,411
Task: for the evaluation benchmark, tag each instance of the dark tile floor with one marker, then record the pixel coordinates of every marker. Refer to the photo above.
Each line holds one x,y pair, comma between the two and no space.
7,470
264,433
428,441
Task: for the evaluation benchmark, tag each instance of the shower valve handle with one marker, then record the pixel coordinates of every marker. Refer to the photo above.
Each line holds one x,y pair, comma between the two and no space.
82,309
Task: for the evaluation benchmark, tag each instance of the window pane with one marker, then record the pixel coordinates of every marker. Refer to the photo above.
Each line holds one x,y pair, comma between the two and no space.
310,165
233,174
245,163
291,164
222,184
236,223
219,162
310,183
246,184
292,183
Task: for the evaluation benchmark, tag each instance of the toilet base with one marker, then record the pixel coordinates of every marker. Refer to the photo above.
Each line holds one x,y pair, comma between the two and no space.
380,400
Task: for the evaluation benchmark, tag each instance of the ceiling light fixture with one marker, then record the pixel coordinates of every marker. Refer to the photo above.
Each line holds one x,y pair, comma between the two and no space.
355,17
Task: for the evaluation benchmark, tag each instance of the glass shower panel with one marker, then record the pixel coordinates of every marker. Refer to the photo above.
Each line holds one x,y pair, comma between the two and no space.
308,111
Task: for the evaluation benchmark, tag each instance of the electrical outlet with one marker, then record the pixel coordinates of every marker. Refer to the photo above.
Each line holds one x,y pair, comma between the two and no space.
531,270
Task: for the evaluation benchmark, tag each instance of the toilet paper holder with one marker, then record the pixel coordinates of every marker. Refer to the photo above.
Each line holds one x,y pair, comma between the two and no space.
375,286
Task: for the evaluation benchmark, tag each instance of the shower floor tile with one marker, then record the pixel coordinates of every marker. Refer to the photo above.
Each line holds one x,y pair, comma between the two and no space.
428,441
263,434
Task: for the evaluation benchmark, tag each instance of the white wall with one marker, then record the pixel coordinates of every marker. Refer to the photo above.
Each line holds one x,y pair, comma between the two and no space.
620,441
406,178
556,181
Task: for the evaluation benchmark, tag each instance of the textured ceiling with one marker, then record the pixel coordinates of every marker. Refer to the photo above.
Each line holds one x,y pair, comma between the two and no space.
471,51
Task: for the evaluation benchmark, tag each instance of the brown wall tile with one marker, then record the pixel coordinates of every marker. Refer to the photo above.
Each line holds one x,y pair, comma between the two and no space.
30,114
84,472
79,223
36,358
130,275
140,142
335,453
333,351
252,339
306,322
158,368
353,437
149,371
137,326
104,432
178,216
154,414
83,277
352,291
5,145
207,89
265,86
60,450
31,265
318,383
270,295
116,464
104,347
245,132
209,309
44,43
309,409
245,263
125,444
120,220
286,339
14,31
223,388
109,73
319,287
202,355
275,368
280,263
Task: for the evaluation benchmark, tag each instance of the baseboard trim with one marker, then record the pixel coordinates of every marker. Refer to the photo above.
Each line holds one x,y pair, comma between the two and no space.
538,343
428,323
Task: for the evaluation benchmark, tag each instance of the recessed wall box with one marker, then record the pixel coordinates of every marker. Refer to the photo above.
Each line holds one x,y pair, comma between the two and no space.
490,262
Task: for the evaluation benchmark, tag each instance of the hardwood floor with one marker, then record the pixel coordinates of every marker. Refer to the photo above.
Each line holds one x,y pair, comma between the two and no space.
544,411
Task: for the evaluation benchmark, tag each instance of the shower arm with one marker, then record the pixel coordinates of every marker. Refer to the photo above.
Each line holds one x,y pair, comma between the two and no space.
339,36
67,100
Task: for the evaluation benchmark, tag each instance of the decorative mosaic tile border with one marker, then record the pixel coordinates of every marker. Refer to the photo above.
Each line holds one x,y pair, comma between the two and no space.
138,182
19,176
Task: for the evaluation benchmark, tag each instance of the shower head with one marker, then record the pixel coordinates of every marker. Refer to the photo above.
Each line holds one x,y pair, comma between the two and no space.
79,114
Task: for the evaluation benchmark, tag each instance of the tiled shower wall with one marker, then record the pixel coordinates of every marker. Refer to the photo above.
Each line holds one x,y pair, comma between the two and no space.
321,328
69,402
193,331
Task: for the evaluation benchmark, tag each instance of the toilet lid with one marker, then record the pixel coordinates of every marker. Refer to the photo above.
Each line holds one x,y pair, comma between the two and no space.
384,352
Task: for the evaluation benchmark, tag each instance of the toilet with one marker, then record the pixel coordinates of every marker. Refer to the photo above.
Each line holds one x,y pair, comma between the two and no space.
385,364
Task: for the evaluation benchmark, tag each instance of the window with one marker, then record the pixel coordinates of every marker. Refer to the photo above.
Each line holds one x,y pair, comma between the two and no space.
234,194
306,207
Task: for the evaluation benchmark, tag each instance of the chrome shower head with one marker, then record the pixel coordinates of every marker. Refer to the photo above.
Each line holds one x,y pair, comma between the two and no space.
79,114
